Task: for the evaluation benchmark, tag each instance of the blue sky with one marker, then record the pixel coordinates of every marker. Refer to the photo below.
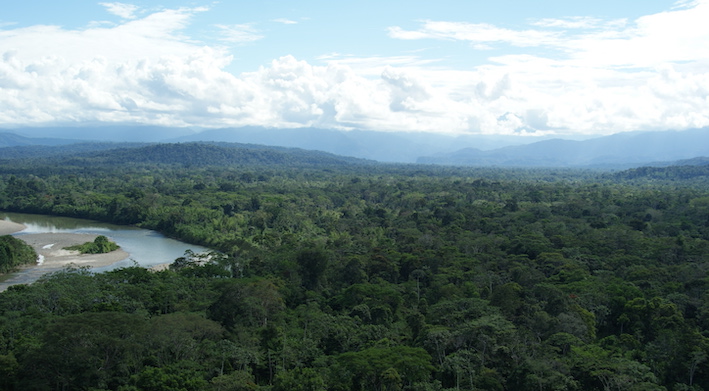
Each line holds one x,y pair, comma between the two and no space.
503,67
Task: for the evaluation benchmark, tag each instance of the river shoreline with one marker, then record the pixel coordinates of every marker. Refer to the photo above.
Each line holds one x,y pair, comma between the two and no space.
50,248
9,227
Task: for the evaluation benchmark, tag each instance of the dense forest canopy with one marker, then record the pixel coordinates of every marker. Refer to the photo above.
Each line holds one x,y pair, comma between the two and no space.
368,277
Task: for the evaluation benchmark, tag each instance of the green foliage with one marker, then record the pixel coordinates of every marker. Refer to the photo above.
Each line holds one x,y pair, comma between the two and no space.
386,367
14,253
170,378
377,277
299,379
100,245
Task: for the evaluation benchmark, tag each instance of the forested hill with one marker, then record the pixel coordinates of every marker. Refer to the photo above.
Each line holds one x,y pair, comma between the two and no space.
8,139
45,151
695,172
188,154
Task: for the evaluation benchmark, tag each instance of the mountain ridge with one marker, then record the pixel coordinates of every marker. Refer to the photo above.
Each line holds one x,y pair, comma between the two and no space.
622,149
394,147
9,139
187,154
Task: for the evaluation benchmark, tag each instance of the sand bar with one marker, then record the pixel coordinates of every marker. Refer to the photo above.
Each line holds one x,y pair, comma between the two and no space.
53,257
9,227
50,246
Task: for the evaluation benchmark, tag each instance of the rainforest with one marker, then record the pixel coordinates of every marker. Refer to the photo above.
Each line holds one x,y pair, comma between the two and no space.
334,273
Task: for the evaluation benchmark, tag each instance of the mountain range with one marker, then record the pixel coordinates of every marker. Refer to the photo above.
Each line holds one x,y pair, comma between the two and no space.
629,149
621,150
399,147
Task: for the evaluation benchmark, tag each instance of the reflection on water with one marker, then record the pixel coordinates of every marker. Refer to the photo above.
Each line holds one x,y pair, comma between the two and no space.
146,248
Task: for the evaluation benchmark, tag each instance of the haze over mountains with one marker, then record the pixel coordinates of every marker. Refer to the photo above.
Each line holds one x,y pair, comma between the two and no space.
618,150
621,150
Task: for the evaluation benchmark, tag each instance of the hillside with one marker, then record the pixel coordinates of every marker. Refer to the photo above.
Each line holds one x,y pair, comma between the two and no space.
695,173
30,151
105,133
618,151
402,147
188,154
8,139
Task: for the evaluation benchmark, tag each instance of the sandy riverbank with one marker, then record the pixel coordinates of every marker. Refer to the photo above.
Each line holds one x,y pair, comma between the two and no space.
9,227
50,248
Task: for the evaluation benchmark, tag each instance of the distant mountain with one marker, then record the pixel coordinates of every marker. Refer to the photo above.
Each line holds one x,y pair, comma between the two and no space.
697,161
206,154
696,173
114,133
8,139
402,147
46,151
622,150
631,149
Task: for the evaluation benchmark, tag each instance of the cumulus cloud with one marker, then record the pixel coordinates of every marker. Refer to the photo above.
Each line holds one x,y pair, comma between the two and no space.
406,91
598,76
667,37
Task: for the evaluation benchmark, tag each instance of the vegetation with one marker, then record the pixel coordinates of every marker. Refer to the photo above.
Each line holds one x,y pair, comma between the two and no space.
14,253
100,245
370,278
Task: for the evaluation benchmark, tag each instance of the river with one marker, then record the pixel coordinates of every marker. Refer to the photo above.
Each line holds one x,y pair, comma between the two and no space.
146,248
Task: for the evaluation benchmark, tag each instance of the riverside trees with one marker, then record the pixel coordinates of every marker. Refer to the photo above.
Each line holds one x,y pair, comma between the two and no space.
100,245
14,253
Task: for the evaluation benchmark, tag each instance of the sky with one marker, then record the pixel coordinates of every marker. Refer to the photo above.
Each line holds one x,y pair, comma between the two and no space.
512,67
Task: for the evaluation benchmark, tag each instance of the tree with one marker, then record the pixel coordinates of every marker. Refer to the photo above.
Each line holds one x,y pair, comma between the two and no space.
171,378
312,264
100,245
299,379
371,368
14,253
89,350
249,302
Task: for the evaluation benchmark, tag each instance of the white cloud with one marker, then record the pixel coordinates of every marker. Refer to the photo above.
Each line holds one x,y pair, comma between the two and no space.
125,11
478,33
672,36
604,77
285,21
600,77
239,33
156,35
373,66
653,40
579,22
